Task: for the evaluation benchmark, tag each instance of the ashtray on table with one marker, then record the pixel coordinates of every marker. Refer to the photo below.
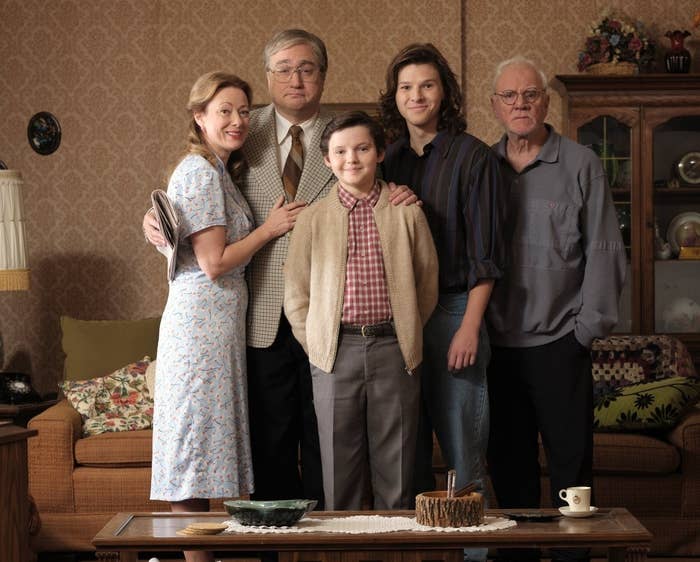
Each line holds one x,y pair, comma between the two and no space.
272,513
535,516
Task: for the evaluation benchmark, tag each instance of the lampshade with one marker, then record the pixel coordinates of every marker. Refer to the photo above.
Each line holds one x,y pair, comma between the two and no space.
14,270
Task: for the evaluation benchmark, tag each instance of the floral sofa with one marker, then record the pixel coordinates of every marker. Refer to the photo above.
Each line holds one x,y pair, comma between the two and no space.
91,457
80,482
646,453
647,441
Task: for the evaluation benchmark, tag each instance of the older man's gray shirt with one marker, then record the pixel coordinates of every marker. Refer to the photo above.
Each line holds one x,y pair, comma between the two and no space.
567,260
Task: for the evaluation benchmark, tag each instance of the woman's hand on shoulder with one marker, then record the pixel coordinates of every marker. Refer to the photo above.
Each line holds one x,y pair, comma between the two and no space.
282,217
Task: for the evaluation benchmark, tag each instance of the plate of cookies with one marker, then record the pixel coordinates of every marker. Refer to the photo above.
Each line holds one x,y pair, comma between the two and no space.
203,528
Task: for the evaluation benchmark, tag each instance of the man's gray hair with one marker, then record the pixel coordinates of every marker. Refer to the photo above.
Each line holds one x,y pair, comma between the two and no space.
291,37
518,60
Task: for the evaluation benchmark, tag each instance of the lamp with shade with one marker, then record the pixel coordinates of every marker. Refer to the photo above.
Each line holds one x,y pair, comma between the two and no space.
14,269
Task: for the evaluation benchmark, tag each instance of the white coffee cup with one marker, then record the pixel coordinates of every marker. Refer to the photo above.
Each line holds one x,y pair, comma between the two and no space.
578,497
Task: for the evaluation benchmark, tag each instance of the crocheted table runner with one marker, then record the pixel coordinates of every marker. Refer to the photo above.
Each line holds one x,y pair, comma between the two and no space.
358,524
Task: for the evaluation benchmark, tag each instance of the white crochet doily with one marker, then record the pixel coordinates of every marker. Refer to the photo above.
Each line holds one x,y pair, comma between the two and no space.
358,524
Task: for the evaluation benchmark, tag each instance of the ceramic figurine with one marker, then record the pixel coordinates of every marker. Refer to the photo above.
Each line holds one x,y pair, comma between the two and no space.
662,249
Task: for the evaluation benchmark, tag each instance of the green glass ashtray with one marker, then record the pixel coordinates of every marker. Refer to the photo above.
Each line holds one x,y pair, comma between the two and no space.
273,513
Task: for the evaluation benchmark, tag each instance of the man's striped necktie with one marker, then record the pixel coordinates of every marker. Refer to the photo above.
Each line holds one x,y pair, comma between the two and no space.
294,164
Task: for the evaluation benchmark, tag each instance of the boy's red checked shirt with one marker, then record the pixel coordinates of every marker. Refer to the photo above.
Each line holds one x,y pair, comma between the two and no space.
366,298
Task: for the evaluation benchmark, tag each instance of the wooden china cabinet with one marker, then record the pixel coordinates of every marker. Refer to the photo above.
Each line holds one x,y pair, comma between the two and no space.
646,129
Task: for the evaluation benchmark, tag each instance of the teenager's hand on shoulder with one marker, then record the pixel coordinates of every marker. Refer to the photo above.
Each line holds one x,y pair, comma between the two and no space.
283,217
150,229
463,349
402,194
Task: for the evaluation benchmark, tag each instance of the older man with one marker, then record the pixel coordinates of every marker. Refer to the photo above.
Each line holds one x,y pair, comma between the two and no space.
284,158
561,291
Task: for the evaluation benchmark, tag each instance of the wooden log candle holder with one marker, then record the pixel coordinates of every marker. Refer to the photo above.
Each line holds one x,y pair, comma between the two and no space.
435,509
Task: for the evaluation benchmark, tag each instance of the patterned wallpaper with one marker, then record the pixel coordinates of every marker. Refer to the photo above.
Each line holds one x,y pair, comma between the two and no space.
550,32
116,73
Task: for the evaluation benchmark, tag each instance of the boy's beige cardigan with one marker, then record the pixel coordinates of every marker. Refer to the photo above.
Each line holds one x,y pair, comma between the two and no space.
315,275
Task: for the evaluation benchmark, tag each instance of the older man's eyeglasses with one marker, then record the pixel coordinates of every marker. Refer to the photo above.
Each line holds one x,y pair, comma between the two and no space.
509,97
307,72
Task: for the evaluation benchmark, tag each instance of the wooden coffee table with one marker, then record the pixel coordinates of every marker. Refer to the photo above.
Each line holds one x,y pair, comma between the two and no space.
616,530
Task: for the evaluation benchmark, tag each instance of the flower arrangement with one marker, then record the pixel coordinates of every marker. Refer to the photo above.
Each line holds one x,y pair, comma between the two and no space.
616,40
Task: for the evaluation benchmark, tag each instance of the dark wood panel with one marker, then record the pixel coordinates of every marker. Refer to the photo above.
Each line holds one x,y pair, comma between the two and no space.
14,499
646,103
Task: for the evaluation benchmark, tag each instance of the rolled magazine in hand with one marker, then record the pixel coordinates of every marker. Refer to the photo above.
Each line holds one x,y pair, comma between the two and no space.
168,224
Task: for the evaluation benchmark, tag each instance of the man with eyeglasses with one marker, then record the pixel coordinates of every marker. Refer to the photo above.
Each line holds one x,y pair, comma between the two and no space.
282,417
283,427
561,290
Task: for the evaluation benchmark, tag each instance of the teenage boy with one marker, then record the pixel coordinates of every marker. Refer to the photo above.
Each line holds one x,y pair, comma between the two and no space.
360,283
459,181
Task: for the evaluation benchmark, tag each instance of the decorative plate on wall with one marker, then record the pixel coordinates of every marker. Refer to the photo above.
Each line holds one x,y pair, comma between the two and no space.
44,133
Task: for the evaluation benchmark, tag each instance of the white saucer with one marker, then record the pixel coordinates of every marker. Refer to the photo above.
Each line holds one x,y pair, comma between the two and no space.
566,511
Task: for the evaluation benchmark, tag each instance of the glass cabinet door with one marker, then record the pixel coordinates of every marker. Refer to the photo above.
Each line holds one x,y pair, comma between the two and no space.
646,129
611,140
674,173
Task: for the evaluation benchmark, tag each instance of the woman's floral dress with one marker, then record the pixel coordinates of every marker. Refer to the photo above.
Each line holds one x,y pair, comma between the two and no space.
201,445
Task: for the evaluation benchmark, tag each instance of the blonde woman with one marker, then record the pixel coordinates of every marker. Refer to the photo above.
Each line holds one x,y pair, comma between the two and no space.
201,445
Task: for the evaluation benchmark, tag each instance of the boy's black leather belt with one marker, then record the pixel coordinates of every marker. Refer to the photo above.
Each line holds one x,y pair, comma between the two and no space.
370,330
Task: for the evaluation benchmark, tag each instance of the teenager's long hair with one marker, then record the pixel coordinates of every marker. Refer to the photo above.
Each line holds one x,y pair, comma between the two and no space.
451,111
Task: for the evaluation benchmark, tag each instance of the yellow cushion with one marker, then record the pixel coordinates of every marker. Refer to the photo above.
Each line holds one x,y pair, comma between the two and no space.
97,347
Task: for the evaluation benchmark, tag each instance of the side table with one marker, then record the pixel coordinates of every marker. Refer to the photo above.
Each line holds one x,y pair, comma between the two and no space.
14,493
20,414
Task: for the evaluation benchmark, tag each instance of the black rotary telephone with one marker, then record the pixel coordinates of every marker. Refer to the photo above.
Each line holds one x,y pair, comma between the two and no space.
15,388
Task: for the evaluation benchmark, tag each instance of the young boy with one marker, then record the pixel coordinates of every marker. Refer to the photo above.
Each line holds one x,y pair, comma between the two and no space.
360,283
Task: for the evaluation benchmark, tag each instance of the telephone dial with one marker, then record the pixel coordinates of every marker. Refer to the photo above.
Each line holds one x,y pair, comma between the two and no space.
15,388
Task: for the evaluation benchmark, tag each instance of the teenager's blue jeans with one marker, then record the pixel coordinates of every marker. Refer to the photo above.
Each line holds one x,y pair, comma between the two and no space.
456,404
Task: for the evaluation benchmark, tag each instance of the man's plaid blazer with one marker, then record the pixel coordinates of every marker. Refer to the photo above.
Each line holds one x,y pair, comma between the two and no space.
262,186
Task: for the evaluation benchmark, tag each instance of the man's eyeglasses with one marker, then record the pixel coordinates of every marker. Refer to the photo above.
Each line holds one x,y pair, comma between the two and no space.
308,73
509,97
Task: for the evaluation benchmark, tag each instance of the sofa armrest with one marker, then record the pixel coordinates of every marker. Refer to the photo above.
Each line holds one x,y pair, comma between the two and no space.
686,437
50,456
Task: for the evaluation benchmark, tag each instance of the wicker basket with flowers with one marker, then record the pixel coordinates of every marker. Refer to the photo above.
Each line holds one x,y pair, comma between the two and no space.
616,46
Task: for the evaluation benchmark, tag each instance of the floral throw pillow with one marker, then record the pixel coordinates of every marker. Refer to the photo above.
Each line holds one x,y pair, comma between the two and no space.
81,395
124,392
642,383
119,401
654,405
624,360
104,423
